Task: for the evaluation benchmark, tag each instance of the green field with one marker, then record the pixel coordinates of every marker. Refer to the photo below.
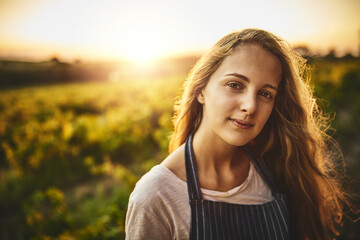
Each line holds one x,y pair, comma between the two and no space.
71,154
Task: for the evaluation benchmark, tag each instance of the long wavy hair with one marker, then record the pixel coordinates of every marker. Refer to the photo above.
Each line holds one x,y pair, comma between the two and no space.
293,143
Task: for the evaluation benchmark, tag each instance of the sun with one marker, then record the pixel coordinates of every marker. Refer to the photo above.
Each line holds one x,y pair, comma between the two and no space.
143,53
142,56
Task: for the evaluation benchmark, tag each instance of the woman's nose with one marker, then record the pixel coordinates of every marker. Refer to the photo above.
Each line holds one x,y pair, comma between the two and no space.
248,103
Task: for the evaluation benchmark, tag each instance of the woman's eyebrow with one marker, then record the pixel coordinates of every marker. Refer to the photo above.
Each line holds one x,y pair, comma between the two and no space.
271,86
238,76
247,80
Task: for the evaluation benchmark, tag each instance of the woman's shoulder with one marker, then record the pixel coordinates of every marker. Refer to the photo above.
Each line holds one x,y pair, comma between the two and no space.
159,204
161,183
175,162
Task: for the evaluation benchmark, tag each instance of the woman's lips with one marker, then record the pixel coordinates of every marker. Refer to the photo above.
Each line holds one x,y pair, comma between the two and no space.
241,124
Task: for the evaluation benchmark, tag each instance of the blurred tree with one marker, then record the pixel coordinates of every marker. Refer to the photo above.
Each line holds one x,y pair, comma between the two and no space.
331,56
348,56
303,50
54,60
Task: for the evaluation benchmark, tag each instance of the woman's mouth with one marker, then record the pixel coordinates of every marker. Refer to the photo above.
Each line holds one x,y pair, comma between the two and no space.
241,124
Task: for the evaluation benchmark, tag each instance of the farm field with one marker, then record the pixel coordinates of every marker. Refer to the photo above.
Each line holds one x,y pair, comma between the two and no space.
71,154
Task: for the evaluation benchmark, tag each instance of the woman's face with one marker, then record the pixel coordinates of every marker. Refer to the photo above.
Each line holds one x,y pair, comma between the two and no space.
240,95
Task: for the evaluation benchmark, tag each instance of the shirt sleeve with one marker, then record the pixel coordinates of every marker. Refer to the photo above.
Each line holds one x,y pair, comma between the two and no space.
143,224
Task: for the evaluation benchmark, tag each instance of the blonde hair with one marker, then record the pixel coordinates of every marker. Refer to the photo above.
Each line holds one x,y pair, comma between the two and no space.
293,143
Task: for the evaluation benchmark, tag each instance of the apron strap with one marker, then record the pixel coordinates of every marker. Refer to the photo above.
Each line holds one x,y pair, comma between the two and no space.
191,171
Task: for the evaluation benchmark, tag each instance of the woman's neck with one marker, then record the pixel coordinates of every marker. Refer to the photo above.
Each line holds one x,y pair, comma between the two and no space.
220,166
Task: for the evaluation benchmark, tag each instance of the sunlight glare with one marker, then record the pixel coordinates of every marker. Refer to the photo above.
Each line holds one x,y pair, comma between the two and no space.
142,54
144,32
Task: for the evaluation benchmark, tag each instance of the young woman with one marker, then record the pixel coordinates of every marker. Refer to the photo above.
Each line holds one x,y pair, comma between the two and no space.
248,157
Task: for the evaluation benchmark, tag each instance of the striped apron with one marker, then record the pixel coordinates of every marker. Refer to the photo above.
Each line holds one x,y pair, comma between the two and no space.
212,220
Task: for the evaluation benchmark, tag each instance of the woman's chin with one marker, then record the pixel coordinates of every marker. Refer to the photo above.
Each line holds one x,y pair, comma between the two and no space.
238,142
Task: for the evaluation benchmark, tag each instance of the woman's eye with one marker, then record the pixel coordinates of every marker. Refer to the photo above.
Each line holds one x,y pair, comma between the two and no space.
234,85
265,94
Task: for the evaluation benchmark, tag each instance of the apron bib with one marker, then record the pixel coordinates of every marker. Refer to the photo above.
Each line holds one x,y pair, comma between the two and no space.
211,220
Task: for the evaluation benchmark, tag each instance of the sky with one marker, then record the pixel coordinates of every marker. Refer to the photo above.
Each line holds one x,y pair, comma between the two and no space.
143,30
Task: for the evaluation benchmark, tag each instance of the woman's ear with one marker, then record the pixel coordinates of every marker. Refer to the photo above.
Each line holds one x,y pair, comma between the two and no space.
200,97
